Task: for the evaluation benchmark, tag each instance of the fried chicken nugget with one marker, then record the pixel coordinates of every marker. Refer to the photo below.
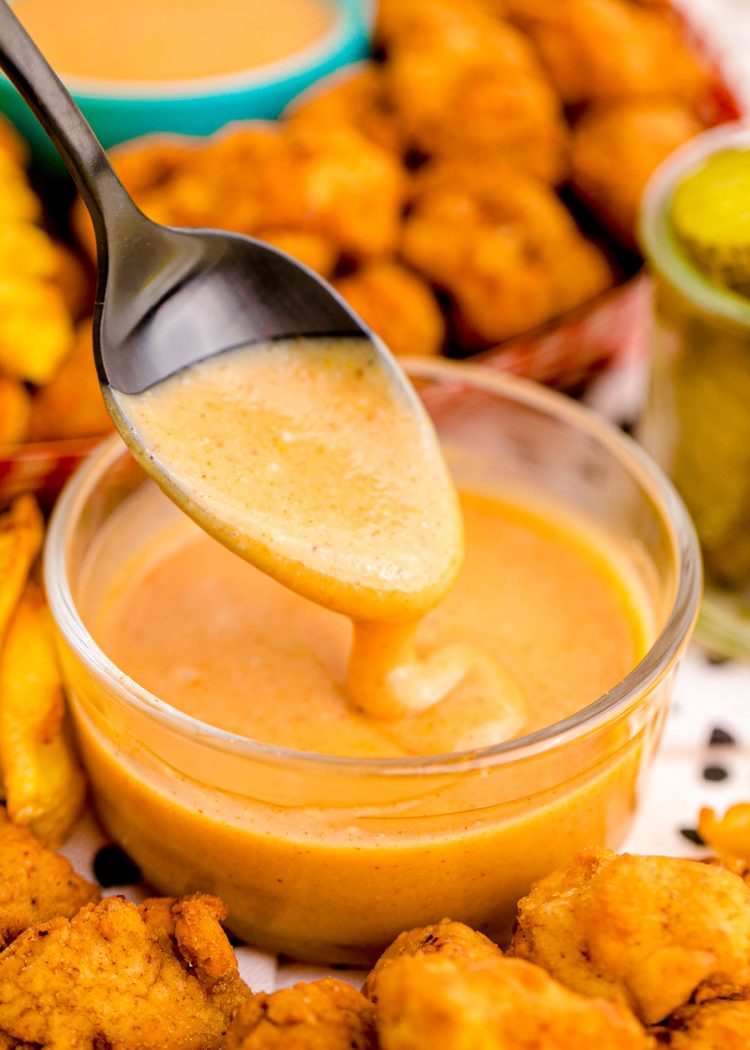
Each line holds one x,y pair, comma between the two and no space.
26,251
238,180
427,25
311,249
582,274
617,148
345,188
646,930
428,1001
74,281
44,786
729,835
356,99
322,1015
500,243
71,404
15,411
398,305
488,98
120,976
596,50
35,884
453,940
718,1018
36,332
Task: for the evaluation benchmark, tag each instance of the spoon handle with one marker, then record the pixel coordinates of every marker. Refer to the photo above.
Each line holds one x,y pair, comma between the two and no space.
71,134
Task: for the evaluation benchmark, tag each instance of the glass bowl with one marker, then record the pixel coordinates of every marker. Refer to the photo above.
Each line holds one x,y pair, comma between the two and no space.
328,858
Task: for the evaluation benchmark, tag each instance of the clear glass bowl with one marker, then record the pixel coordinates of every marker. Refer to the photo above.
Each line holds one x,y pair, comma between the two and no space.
328,858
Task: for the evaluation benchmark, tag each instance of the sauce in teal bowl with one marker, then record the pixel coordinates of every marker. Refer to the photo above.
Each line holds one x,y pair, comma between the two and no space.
119,110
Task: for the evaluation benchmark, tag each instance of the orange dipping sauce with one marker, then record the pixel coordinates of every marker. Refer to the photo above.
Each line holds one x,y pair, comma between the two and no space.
137,40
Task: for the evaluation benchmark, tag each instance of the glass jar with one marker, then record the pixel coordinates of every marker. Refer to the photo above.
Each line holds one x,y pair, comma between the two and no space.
328,858
696,423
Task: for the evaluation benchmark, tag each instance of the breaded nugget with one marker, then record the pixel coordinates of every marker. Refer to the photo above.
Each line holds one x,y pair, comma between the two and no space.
237,181
729,835
36,332
498,289
398,305
356,99
488,99
597,50
717,1019
120,976
74,281
617,148
35,884
15,411
26,251
323,1015
427,25
71,404
499,243
453,940
647,930
312,249
429,1001
581,274
330,182
344,187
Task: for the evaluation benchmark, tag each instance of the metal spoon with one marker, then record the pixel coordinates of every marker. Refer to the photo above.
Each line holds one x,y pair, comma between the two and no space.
167,298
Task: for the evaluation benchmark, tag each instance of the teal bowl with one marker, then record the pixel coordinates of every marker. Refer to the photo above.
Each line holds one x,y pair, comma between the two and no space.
122,110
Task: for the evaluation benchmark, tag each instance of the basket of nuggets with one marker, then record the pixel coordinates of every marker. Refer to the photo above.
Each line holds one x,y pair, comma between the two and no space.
475,182
50,404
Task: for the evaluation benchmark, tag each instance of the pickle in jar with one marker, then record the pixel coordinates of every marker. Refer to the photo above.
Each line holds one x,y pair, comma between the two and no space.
710,216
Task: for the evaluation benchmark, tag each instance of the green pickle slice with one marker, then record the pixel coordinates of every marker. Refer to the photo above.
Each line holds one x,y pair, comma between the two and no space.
710,216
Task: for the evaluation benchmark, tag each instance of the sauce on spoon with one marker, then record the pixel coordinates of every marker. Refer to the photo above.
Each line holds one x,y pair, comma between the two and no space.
307,459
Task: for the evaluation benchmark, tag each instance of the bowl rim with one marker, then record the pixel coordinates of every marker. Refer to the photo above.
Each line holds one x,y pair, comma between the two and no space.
639,682
349,21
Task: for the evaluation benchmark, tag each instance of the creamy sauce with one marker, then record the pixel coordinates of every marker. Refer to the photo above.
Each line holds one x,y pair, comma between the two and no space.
227,644
309,460
306,458
171,39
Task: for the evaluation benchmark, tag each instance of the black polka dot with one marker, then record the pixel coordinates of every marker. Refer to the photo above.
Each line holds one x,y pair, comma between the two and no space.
720,738
715,773
113,867
692,835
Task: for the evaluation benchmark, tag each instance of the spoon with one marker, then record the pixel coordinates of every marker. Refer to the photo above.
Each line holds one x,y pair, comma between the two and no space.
168,298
